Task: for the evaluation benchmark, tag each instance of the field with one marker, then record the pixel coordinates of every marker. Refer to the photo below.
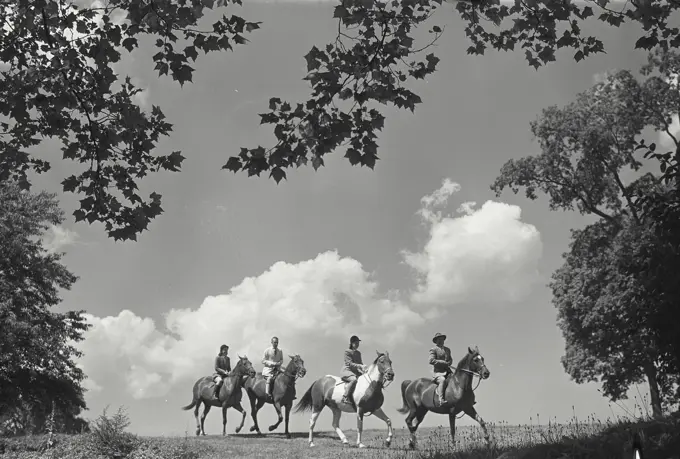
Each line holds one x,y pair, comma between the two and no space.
575,440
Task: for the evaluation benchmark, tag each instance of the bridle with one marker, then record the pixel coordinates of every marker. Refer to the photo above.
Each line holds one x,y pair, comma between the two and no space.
465,370
381,382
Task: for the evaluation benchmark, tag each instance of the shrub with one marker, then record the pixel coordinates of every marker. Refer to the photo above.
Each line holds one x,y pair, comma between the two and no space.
108,437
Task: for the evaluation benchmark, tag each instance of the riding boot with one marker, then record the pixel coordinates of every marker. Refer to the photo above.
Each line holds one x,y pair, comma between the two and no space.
349,390
216,391
268,391
440,394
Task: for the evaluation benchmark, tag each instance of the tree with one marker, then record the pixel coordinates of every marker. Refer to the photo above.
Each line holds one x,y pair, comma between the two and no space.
36,345
604,292
607,315
59,83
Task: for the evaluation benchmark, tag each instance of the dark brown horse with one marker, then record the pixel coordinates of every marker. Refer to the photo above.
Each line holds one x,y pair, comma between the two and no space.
229,396
283,392
368,398
419,395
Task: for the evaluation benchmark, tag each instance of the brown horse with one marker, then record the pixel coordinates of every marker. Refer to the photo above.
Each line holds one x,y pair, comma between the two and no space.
283,392
419,395
368,398
229,396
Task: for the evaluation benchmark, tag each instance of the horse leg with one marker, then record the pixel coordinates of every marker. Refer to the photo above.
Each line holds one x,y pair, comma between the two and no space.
198,422
452,426
255,405
287,409
240,409
206,410
416,414
474,415
336,425
224,419
277,407
312,423
380,414
360,426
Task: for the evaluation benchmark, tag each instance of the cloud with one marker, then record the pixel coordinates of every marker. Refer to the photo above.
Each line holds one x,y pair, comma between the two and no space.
328,296
57,237
485,255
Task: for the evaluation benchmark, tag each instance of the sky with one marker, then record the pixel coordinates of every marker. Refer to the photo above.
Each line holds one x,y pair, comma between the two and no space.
417,246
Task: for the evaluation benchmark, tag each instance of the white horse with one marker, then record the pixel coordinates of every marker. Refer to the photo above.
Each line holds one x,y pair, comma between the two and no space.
367,398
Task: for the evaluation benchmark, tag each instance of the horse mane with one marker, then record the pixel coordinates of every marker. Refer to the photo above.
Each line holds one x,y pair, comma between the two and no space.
238,365
466,360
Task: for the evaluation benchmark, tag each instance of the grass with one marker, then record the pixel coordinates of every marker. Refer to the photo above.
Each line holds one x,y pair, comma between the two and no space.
578,439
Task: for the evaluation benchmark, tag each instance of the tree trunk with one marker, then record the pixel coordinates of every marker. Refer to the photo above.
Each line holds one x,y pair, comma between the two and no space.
650,372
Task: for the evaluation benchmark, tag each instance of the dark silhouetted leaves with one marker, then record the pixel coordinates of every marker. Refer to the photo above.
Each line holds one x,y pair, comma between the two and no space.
67,90
72,94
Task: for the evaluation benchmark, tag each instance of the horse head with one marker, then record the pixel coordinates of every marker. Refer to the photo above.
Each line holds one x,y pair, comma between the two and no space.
476,363
298,368
244,366
384,365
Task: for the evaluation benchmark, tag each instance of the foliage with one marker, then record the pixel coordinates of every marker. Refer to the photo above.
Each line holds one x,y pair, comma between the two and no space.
605,292
608,316
109,438
36,345
58,81
575,439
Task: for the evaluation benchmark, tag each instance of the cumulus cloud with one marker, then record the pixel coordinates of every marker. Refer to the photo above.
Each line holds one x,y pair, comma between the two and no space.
485,255
57,237
325,296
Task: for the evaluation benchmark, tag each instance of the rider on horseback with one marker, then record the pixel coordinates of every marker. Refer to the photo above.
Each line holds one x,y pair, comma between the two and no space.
273,358
222,369
352,368
440,359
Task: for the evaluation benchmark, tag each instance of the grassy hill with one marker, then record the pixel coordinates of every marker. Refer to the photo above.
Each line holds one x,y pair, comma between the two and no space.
575,440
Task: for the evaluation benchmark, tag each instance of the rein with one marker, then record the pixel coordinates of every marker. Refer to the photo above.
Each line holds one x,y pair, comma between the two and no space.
380,382
293,376
479,381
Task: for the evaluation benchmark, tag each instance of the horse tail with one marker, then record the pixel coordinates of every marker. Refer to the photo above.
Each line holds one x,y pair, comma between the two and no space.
404,409
191,405
306,402
196,397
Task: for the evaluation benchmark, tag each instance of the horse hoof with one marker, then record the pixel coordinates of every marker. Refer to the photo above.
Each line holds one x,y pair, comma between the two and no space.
253,428
272,428
411,445
311,444
238,430
288,436
388,443
361,445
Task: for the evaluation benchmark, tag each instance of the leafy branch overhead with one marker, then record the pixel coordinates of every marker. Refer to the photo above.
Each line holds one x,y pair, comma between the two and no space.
369,62
58,81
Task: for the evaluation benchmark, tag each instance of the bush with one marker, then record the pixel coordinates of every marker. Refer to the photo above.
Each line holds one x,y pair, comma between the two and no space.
108,437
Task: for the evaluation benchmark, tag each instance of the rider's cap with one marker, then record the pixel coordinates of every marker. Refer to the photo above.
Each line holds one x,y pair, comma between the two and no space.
437,336
224,346
354,339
